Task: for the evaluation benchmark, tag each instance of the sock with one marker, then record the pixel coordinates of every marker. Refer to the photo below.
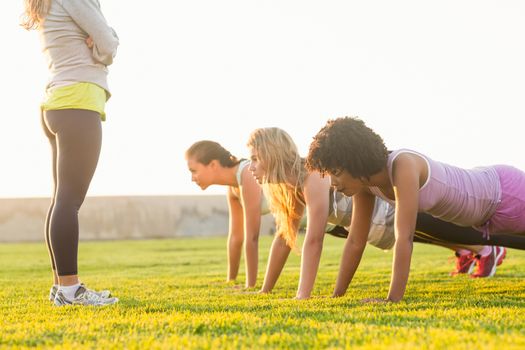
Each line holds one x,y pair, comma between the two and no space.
463,252
485,251
69,291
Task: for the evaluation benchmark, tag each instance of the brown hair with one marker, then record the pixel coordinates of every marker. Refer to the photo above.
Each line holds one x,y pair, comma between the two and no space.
205,151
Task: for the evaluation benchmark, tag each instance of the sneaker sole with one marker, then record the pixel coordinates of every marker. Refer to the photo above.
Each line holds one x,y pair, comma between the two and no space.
66,303
502,256
61,300
471,268
106,294
497,257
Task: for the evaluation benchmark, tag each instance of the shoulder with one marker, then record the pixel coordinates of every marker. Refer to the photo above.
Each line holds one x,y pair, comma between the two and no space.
245,175
243,166
405,153
404,159
409,170
315,185
314,178
77,3
404,164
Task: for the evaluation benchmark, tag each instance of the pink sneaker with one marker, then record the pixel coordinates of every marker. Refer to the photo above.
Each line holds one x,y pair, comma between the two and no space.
487,264
464,264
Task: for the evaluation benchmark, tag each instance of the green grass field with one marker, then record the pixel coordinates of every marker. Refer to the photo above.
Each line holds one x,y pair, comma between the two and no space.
172,295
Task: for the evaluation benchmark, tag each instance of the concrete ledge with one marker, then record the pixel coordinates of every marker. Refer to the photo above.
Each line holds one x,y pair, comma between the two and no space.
126,217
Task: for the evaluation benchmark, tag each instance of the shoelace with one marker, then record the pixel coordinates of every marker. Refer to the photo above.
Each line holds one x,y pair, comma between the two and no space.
468,262
91,296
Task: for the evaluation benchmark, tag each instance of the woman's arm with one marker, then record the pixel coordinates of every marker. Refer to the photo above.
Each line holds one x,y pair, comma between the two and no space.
278,255
251,195
406,178
316,195
89,17
362,209
235,235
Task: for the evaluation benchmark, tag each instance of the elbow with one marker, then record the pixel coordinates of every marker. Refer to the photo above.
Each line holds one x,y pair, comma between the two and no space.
235,241
252,238
405,239
104,58
358,245
316,243
105,54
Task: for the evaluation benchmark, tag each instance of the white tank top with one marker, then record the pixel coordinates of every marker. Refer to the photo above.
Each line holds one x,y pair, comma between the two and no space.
243,164
381,234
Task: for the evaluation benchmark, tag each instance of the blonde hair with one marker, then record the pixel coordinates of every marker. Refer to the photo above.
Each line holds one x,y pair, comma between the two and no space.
34,13
284,180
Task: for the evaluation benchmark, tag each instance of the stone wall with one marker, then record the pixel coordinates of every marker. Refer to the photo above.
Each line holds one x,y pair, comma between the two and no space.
133,217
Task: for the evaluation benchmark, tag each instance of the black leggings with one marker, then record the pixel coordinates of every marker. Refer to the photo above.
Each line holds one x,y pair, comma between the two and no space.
435,231
432,230
75,136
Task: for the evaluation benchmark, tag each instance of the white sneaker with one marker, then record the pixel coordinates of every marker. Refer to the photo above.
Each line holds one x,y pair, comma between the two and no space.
102,293
83,296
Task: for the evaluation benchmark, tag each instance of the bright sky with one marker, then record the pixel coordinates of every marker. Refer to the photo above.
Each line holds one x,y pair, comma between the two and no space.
444,77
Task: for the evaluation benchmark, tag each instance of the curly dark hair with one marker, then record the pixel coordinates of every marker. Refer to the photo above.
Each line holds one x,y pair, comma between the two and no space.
347,144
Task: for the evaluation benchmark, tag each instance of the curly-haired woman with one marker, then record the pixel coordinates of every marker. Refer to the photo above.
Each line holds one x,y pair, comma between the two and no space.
490,199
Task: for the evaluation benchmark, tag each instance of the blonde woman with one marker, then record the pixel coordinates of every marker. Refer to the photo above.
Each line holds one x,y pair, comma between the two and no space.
291,191
211,164
78,45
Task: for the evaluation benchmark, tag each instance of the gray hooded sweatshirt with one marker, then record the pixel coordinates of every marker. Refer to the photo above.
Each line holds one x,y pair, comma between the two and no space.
63,34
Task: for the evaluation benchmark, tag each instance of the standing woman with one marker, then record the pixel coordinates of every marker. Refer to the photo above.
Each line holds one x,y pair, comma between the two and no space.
78,45
211,164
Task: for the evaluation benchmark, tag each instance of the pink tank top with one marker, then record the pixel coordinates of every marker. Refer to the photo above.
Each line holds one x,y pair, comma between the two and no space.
465,197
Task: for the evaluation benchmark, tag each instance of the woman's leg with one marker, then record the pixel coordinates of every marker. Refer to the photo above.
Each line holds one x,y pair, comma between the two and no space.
52,141
78,136
430,228
471,248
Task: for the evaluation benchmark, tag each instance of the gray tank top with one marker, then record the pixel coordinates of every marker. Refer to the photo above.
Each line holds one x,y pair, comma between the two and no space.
381,234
